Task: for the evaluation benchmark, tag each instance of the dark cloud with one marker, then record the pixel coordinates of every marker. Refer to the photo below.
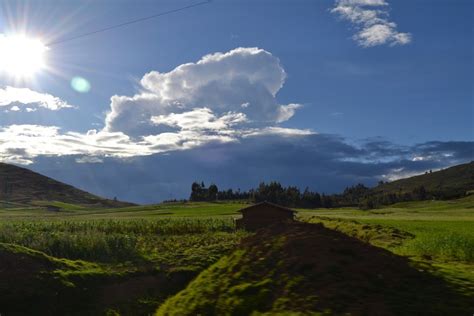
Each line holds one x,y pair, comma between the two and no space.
447,150
326,163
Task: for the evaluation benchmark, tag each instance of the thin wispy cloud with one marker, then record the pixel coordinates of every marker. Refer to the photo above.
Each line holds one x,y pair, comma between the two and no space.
372,22
17,98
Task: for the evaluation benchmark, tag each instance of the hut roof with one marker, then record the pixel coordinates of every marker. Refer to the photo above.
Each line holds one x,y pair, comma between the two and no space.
273,205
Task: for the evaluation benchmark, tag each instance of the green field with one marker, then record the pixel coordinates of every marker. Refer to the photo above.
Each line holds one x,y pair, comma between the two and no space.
76,212
437,233
117,245
442,230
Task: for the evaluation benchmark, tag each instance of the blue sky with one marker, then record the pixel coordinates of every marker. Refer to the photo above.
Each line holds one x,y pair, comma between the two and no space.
364,89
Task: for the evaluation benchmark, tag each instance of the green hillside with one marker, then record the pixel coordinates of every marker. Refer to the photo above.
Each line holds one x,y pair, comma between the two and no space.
23,187
447,183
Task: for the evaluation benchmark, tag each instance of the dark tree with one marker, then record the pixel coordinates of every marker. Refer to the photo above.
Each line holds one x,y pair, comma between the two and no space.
196,192
212,192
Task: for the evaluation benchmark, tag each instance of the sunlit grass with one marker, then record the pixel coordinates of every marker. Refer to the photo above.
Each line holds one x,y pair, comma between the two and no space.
444,240
166,241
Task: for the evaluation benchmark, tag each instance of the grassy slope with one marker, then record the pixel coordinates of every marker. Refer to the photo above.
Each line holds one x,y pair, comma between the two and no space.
20,186
34,283
454,179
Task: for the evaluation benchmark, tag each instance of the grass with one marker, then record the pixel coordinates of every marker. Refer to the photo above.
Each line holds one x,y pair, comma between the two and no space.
441,229
442,240
170,242
147,258
189,237
437,234
61,205
77,212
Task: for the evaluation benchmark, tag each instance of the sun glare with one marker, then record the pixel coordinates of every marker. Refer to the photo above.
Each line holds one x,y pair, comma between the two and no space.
21,56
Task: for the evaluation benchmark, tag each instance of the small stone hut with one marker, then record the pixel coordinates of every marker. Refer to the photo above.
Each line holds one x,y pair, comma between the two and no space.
264,214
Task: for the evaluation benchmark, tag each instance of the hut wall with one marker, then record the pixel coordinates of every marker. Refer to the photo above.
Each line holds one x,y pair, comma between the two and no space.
263,216
266,213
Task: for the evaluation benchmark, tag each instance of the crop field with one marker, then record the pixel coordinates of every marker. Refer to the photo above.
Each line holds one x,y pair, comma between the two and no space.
186,238
156,255
172,242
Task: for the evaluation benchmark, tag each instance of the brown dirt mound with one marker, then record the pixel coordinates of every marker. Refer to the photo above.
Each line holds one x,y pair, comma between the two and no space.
307,268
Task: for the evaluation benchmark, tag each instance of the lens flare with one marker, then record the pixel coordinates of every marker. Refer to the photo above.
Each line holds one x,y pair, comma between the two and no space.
21,56
80,84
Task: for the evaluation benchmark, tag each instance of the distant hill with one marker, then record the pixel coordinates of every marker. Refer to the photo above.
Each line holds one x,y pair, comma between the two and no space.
451,183
448,183
20,186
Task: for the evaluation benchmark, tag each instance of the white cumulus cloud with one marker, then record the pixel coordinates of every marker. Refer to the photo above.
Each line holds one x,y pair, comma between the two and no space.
200,119
243,82
371,19
16,97
222,98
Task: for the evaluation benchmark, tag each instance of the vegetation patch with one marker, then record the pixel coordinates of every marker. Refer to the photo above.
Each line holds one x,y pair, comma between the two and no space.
90,267
378,235
166,241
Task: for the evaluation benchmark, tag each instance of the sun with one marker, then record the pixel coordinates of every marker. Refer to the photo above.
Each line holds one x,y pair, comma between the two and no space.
21,56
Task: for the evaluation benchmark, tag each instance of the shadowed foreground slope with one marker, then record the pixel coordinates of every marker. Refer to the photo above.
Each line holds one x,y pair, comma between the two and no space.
308,269
34,283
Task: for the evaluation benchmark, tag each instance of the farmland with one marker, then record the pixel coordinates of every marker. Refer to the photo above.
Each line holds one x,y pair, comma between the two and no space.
177,241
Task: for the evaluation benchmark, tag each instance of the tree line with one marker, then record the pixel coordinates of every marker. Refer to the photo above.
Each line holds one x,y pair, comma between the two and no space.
291,196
